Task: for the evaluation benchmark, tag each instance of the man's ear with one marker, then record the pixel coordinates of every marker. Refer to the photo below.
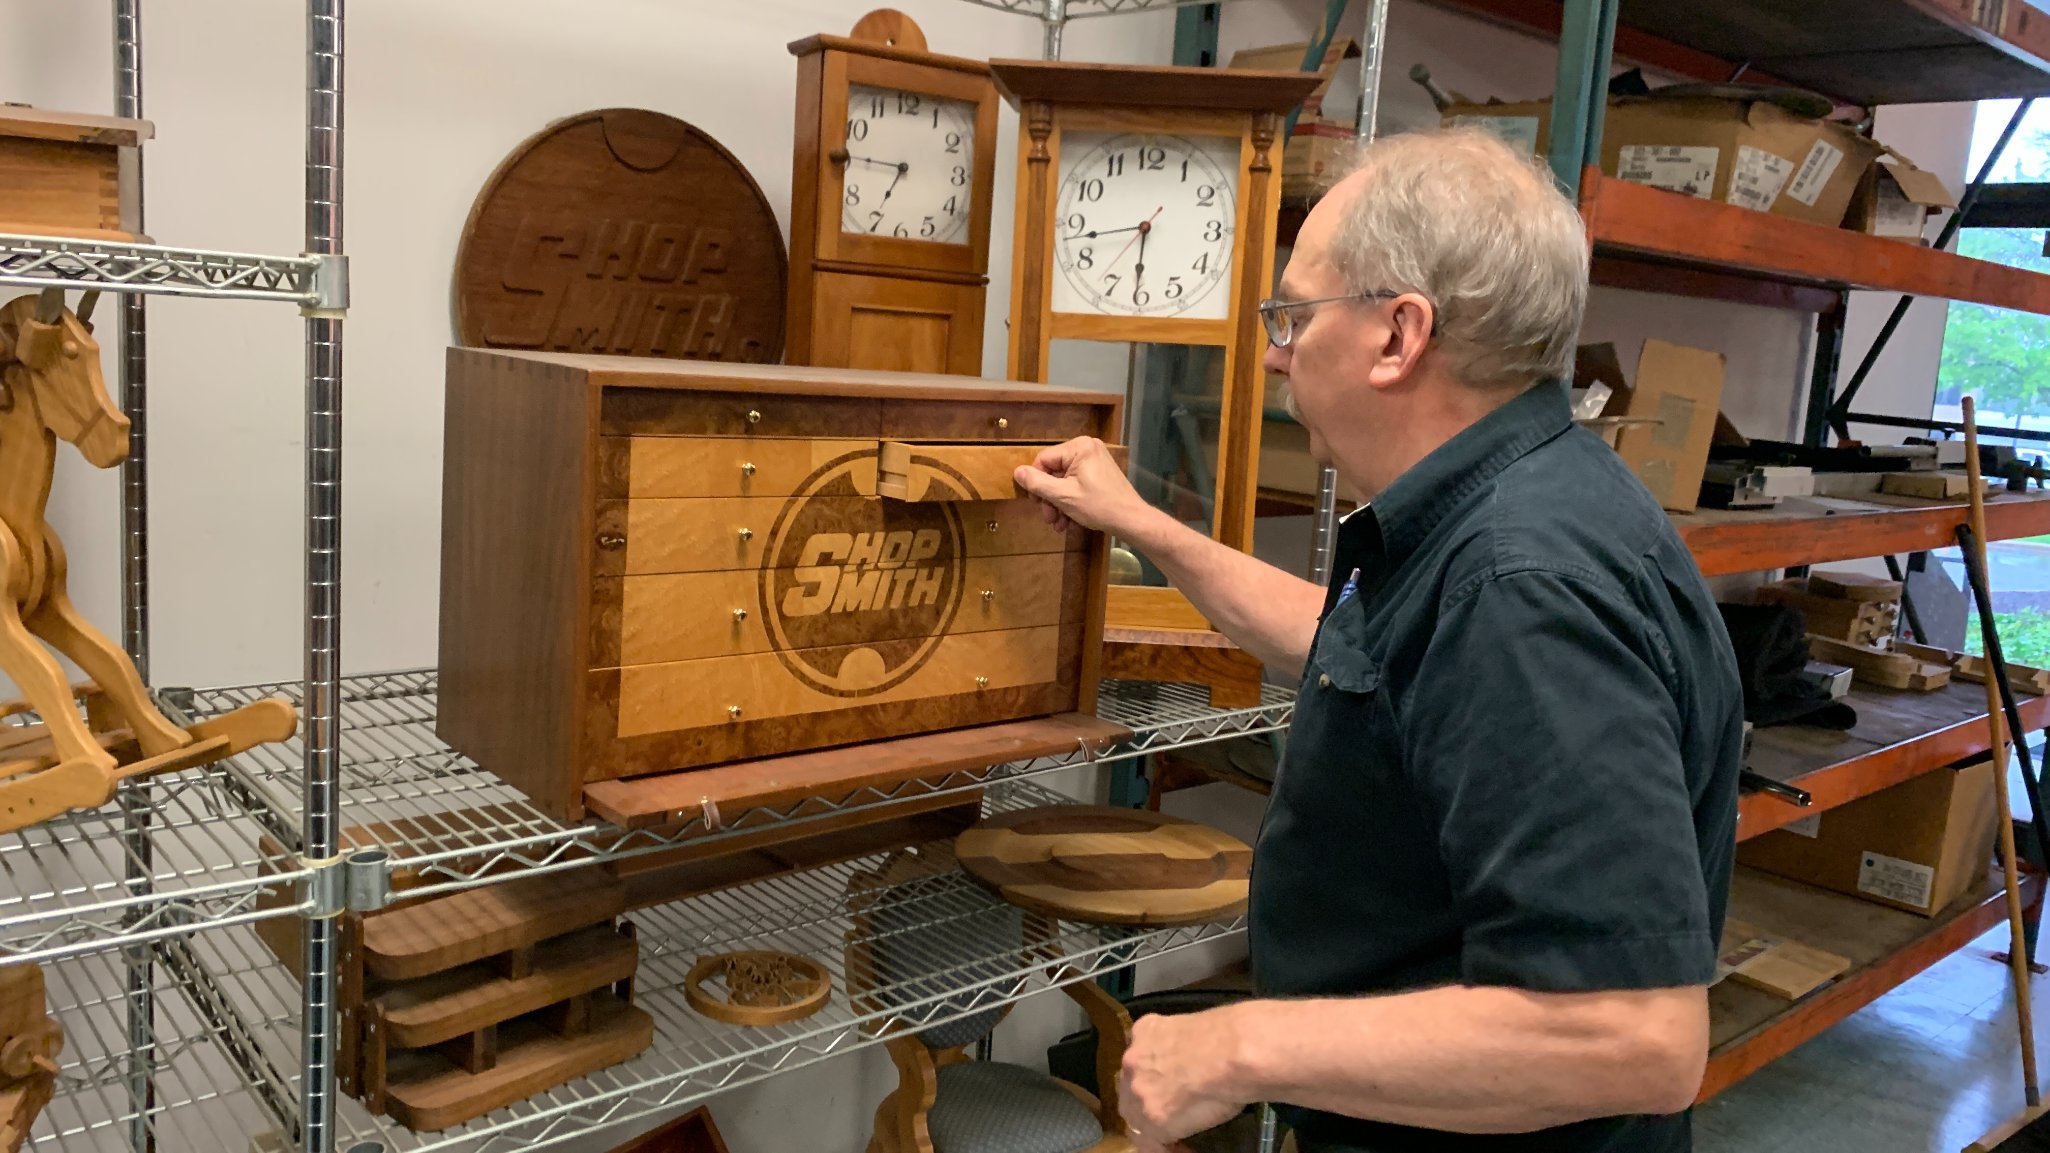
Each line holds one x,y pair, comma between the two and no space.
1411,320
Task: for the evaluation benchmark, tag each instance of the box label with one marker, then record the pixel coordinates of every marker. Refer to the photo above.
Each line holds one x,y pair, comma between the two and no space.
1671,167
1896,880
1809,827
1815,172
1520,131
1758,179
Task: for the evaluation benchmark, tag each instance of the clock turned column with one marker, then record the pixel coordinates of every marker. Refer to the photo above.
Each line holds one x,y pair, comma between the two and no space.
1239,452
1035,180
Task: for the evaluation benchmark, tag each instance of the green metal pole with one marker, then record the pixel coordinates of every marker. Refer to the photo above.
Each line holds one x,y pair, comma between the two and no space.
1580,95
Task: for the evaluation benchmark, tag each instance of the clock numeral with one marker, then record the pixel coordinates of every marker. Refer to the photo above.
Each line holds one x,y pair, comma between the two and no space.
1115,166
901,231
950,207
928,229
853,196
959,178
1174,285
907,104
1206,196
1152,159
1141,297
1110,283
953,138
1087,258
857,130
1091,190
1185,172
1214,230
1202,265
875,218
875,105
1075,223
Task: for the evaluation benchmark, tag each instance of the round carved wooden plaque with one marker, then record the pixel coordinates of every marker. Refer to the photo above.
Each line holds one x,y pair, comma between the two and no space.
1108,865
628,232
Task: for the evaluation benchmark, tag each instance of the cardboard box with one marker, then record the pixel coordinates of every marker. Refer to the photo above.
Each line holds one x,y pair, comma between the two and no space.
1313,160
1754,154
1336,101
1674,409
1919,845
1895,200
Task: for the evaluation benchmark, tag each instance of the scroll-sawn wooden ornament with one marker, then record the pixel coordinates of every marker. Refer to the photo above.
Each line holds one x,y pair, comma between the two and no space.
1108,865
628,232
756,987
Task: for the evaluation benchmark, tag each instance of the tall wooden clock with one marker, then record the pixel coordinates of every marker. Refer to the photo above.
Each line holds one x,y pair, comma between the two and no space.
889,227
1146,208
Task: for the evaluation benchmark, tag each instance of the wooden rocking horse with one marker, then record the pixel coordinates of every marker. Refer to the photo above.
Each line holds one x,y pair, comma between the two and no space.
51,387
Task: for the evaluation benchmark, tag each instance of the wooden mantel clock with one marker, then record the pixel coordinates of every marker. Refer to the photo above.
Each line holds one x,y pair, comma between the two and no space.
889,228
1146,208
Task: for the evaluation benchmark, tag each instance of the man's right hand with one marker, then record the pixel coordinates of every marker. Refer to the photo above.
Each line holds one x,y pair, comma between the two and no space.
1080,481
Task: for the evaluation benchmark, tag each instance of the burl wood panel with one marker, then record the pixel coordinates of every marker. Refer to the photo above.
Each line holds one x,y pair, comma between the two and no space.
759,686
686,616
623,231
659,412
515,485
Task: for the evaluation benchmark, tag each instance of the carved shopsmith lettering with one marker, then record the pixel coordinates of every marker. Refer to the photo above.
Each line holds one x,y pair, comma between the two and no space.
637,287
869,572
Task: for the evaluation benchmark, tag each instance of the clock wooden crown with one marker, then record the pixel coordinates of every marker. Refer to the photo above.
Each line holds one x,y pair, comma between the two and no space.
894,159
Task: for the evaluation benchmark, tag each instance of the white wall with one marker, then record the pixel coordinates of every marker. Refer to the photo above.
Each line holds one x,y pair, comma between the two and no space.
437,94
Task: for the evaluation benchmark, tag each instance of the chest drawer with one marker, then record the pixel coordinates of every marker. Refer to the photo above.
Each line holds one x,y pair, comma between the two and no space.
690,466
636,537
665,412
989,420
639,620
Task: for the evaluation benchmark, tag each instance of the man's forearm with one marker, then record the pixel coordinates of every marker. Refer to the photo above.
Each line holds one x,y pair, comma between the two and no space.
1265,611
1474,1060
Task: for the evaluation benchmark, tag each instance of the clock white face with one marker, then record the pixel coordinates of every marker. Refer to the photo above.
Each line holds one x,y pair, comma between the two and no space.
910,170
1143,224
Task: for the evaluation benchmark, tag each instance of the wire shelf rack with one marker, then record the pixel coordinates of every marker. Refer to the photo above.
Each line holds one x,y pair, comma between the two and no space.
449,824
909,940
43,261
65,884
1079,9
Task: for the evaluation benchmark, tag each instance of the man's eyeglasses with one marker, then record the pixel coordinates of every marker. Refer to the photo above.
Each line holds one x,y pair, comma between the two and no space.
1279,315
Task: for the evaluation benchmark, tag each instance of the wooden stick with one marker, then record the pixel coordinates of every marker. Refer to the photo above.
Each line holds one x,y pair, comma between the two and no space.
2017,949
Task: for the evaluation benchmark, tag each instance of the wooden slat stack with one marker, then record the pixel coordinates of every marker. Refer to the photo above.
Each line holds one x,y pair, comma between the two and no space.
1864,617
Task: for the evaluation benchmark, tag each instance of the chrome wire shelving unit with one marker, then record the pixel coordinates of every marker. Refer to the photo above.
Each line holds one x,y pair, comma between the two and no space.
227,1050
184,1031
448,824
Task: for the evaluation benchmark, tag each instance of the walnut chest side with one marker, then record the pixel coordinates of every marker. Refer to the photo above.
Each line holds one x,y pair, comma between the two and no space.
655,566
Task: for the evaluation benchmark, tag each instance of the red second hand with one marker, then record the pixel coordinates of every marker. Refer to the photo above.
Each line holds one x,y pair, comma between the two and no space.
1145,226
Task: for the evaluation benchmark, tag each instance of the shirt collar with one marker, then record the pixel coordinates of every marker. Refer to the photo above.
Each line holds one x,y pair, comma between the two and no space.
1405,512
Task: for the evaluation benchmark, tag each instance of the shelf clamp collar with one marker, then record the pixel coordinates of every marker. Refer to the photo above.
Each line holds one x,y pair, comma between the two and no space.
325,888
328,292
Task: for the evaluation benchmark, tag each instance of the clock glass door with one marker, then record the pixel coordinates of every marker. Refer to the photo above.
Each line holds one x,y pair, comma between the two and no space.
1143,225
909,171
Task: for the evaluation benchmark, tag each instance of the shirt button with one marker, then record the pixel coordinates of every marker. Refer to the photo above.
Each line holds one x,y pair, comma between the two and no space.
1323,680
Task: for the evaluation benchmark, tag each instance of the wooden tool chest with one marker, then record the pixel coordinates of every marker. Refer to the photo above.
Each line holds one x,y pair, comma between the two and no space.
650,565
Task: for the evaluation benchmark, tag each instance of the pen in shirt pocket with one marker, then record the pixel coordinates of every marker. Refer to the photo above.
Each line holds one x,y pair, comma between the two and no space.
1351,586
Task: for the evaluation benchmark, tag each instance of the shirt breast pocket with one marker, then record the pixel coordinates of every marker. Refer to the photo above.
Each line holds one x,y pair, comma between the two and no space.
1341,654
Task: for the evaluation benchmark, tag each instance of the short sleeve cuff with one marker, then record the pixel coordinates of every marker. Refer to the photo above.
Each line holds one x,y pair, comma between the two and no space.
1565,965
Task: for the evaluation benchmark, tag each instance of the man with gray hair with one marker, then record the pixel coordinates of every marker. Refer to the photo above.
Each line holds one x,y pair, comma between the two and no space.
1489,886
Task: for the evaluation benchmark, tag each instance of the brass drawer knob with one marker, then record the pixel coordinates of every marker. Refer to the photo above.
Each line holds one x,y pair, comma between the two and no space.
988,595
992,526
739,614
1003,422
982,682
611,540
747,534
754,416
733,712
747,469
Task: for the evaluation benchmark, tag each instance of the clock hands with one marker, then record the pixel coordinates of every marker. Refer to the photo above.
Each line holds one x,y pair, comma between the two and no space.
901,170
1139,268
1142,228
1103,232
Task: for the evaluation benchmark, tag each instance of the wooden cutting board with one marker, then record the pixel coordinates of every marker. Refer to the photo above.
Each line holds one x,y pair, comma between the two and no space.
1107,865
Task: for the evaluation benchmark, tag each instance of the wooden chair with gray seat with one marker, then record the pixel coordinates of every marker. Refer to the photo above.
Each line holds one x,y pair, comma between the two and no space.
912,946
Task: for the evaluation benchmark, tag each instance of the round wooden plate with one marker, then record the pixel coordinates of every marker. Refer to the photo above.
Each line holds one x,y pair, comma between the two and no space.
1110,866
628,232
757,987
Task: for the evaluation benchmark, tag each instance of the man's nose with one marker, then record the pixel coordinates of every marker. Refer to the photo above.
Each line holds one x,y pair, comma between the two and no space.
1276,359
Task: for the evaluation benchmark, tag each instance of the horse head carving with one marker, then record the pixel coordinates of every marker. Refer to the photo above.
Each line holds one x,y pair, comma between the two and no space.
59,362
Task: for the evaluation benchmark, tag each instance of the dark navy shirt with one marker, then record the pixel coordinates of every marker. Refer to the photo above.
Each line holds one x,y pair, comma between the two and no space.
1514,758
